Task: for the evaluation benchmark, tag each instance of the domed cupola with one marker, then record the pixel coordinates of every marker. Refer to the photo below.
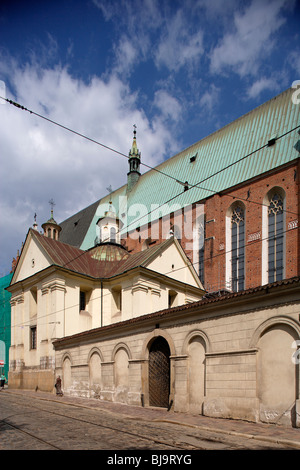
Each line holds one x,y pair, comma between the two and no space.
109,252
51,227
109,227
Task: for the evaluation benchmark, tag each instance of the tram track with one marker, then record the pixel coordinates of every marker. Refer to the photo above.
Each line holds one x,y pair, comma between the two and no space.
121,429
18,429
67,425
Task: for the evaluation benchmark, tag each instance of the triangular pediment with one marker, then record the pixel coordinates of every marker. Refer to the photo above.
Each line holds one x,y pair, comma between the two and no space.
172,261
33,259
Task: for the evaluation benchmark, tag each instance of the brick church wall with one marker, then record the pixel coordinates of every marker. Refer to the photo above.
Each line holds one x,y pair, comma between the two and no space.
251,194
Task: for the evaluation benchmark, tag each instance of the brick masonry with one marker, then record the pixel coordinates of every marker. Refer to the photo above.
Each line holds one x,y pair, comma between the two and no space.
251,194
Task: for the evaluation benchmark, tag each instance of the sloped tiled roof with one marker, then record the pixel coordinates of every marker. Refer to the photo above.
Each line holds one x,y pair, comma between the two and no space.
142,258
67,256
102,261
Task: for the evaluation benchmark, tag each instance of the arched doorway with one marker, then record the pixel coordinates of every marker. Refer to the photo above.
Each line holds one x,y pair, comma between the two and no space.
159,373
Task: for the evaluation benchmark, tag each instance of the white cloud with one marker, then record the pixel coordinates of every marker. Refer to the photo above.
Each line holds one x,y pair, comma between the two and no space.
41,160
126,55
218,9
168,105
108,9
178,46
162,49
210,98
294,61
252,39
261,85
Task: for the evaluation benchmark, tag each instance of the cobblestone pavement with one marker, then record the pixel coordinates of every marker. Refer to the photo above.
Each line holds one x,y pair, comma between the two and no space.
271,436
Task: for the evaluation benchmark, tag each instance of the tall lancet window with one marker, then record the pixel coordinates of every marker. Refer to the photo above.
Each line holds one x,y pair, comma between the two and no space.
238,249
275,238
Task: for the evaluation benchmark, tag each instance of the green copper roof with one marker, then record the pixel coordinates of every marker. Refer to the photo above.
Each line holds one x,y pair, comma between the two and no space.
205,162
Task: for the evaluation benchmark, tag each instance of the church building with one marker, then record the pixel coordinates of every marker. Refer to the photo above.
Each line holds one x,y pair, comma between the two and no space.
58,290
180,289
231,200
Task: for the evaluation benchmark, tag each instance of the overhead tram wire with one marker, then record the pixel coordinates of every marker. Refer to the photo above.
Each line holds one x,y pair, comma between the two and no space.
120,153
185,184
172,198
190,264
23,108
216,192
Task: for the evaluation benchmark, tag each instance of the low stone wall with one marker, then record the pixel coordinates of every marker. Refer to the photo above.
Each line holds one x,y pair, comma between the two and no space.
231,359
43,380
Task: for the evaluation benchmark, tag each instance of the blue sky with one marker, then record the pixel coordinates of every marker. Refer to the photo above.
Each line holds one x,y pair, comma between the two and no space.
179,70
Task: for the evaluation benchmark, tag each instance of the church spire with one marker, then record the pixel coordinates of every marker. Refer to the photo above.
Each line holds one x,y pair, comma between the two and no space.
134,163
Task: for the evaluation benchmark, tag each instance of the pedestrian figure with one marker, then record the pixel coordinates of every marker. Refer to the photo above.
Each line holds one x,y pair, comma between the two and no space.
2,380
58,386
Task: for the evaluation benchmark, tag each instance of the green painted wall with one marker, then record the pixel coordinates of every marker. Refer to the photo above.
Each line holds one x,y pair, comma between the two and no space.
5,322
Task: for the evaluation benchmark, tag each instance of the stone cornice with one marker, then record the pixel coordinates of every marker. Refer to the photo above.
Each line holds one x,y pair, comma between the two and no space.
264,297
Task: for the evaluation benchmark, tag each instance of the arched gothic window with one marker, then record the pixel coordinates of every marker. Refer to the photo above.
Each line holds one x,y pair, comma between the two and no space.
275,238
235,247
238,248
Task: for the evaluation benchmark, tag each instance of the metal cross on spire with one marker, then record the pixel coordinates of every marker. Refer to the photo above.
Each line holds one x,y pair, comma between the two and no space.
52,204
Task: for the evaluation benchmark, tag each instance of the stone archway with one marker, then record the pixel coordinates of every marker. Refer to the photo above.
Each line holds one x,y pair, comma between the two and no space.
95,372
196,374
121,356
277,373
66,373
195,347
145,352
159,373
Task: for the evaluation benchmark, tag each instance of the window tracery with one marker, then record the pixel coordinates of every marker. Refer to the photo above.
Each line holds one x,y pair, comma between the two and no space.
275,238
238,248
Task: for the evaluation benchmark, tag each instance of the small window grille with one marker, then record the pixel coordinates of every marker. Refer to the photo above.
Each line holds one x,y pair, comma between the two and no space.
82,302
33,337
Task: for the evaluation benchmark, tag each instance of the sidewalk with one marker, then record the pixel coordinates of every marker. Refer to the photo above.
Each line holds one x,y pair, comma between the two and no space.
287,436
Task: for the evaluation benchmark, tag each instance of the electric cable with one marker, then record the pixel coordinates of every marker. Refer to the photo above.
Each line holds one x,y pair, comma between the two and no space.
17,105
189,264
171,199
185,184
